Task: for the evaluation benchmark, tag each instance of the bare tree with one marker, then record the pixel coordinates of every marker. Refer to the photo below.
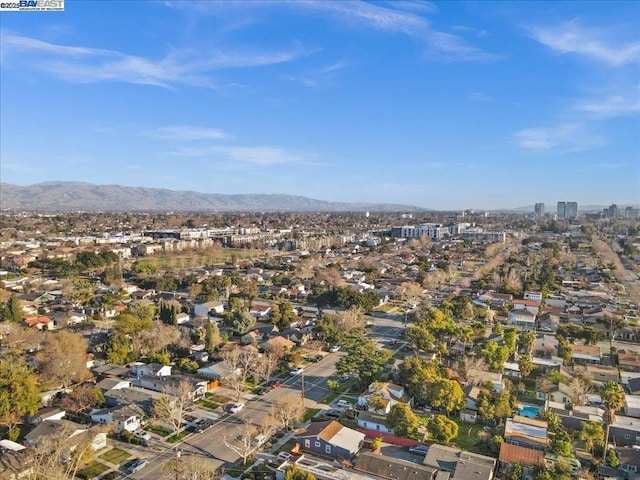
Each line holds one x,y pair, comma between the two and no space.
82,397
268,363
238,364
155,339
245,443
191,467
471,364
287,409
171,409
63,360
579,388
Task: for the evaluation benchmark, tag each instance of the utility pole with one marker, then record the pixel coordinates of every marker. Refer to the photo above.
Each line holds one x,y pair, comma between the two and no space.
177,463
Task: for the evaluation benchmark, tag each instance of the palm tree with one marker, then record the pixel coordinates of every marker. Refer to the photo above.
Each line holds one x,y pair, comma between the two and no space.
528,340
613,399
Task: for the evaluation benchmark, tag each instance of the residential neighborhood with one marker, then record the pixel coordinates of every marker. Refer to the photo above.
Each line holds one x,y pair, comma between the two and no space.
338,346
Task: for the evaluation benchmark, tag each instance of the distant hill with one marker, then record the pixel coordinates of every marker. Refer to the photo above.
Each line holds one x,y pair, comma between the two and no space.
79,196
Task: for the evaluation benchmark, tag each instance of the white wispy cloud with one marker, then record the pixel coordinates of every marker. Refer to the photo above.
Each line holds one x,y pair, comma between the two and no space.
613,106
254,155
610,166
562,138
572,37
91,65
480,97
188,132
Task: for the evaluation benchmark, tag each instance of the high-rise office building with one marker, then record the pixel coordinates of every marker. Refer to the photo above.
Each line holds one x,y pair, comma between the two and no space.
567,210
562,210
539,210
612,211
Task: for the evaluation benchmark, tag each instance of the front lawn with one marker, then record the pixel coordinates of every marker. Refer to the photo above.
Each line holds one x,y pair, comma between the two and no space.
287,446
158,430
177,437
115,456
468,434
310,413
207,404
93,470
217,398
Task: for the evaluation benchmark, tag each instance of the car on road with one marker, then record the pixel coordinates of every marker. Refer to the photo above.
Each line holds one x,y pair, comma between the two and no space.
203,424
393,342
316,358
284,456
419,449
296,371
335,348
142,435
236,407
137,464
343,404
276,384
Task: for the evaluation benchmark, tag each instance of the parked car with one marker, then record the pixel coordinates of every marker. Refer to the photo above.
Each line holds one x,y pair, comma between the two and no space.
285,456
142,435
333,413
136,465
236,407
335,348
276,384
296,371
419,449
343,404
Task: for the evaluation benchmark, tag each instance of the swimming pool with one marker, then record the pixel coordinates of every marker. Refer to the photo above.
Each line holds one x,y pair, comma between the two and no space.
529,411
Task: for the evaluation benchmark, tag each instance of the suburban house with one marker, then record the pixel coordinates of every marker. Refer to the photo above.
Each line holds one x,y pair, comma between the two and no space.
215,371
260,311
207,309
41,322
124,417
140,369
632,406
629,460
585,353
600,373
45,414
386,467
527,458
139,397
628,360
625,431
277,344
522,319
372,421
526,432
460,463
481,377
113,384
389,393
331,439
173,385
559,393
546,344
58,430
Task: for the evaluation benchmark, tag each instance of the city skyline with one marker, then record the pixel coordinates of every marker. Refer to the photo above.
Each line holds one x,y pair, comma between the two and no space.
442,105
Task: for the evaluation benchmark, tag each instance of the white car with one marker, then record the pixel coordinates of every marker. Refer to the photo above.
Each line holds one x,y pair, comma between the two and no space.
284,456
142,435
236,407
335,348
343,404
136,465
296,371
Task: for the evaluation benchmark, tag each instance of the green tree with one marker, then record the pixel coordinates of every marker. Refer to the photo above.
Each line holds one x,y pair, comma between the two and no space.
447,394
365,359
402,420
120,350
19,394
420,336
417,376
515,472
212,338
526,365
528,340
296,473
442,429
613,398
592,434
613,325
510,336
16,315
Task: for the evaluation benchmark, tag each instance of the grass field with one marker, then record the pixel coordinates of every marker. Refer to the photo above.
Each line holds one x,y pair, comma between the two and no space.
177,437
158,430
175,261
115,456
92,470
207,404
310,413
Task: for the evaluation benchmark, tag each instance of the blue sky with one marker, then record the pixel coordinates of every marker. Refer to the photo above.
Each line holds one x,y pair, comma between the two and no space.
435,104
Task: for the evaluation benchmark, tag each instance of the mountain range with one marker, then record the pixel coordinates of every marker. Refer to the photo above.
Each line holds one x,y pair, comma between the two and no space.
80,196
